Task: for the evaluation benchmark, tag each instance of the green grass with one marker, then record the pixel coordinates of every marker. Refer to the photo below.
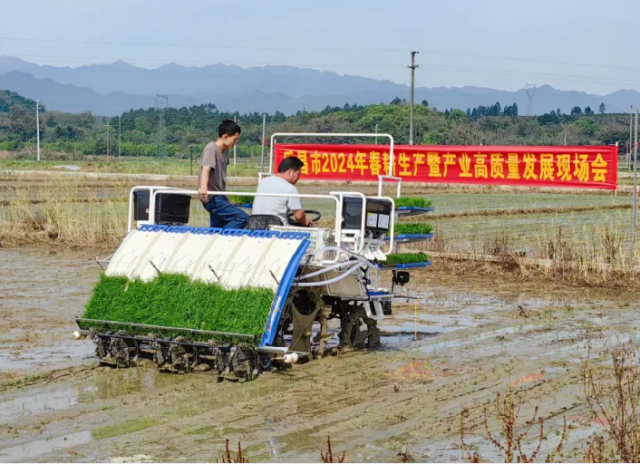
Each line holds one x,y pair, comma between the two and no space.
416,202
418,229
175,301
124,428
405,258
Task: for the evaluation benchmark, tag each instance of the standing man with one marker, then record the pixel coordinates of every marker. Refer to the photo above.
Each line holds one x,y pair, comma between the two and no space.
213,177
282,183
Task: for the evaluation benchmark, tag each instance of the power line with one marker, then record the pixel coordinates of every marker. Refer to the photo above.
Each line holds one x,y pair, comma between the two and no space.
556,77
528,60
532,73
390,50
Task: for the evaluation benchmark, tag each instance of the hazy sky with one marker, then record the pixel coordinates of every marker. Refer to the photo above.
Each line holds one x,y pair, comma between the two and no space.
570,44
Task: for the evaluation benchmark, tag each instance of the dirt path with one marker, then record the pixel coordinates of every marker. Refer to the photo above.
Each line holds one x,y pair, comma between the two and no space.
478,334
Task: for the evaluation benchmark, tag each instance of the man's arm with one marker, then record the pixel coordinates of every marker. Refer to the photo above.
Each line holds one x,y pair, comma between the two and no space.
302,218
294,205
204,183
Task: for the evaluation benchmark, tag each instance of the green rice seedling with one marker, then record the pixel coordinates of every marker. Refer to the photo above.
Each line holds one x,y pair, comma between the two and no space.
405,258
173,300
416,229
416,202
240,200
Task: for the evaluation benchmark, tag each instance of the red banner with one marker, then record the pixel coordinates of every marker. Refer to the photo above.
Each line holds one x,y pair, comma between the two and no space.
533,166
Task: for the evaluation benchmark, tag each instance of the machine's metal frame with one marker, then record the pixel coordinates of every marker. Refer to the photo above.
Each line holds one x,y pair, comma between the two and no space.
357,237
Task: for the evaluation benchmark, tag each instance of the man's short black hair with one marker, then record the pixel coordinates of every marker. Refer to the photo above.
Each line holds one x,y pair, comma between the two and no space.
229,128
290,163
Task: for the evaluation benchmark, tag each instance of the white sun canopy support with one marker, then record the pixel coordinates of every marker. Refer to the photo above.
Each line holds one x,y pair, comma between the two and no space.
329,134
356,237
397,180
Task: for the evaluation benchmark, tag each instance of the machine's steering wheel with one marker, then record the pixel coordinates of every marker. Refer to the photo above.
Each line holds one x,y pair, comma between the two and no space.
293,222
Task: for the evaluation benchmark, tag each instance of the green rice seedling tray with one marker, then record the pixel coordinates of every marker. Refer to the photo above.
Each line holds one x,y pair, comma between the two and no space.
173,300
414,202
405,258
412,229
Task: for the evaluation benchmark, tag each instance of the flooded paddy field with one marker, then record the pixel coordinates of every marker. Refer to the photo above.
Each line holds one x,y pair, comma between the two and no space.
479,330
474,334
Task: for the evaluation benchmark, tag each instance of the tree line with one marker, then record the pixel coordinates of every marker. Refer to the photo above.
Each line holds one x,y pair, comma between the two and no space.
187,130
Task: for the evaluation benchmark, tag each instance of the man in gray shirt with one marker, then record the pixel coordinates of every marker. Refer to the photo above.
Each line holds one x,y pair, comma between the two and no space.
283,182
213,178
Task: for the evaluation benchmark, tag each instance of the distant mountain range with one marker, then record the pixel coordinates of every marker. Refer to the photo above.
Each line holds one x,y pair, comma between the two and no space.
109,89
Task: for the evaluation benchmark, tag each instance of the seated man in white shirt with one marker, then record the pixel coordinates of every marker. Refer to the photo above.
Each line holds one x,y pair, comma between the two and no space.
282,182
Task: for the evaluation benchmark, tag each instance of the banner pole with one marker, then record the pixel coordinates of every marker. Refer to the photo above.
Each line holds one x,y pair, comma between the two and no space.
635,191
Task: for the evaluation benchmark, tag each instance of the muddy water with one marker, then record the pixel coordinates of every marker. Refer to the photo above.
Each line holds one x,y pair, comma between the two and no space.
40,293
471,344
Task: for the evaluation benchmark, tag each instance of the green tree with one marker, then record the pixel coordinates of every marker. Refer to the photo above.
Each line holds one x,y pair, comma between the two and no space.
602,108
456,115
86,120
51,121
588,111
576,111
510,110
143,125
22,122
587,126
425,103
496,109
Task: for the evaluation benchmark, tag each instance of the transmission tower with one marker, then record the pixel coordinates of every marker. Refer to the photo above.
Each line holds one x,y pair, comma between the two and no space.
531,91
162,102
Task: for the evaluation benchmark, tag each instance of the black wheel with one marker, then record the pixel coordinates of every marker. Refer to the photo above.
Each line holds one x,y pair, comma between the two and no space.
359,330
244,364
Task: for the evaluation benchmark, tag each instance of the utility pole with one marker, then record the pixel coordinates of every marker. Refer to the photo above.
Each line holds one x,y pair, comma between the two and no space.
235,119
119,137
413,79
635,191
38,129
162,103
630,129
263,140
107,126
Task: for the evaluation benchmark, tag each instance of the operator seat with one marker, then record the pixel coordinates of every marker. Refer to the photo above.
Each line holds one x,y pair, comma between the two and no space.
263,221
